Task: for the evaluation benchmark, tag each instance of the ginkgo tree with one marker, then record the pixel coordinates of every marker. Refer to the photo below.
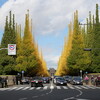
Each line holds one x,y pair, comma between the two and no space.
28,59
62,64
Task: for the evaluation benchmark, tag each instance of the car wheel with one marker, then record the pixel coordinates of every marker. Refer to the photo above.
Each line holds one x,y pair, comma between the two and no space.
41,85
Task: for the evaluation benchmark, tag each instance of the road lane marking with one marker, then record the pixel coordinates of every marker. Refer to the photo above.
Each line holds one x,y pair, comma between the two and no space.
3,89
12,88
25,88
45,87
84,87
58,87
65,87
97,87
38,88
91,87
77,87
19,88
51,87
32,88
71,87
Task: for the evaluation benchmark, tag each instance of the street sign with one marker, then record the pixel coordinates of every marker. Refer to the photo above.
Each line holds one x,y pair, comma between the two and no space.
11,49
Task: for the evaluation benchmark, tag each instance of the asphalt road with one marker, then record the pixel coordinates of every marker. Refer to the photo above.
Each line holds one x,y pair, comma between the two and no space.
50,92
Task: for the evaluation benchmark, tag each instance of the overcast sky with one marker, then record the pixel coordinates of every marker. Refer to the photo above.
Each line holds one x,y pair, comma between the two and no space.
50,21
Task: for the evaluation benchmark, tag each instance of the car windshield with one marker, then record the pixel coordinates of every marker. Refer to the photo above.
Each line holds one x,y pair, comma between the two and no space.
45,77
77,78
60,78
69,77
37,78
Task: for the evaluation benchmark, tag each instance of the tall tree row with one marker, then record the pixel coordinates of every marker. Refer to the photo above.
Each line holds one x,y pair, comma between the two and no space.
96,44
75,59
27,58
62,64
84,37
7,63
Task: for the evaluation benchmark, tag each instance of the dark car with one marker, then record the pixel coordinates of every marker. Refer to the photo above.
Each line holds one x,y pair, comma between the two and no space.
54,79
68,78
46,80
60,81
77,80
37,81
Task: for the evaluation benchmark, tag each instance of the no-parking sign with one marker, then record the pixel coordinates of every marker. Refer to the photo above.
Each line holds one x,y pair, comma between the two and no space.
11,49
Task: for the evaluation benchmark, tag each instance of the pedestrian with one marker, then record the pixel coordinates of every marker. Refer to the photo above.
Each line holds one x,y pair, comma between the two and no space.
97,81
6,82
2,82
92,80
86,79
14,80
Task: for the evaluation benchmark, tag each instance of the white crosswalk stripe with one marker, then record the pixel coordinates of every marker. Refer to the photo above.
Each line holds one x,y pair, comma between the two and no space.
71,87
3,89
25,88
45,87
77,87
97,87
32,88
65,87
58,87
38,88
91,87
12,88
19,88
49,87
84,87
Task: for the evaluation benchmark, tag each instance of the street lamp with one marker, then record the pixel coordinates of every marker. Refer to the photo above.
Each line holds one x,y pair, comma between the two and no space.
81,73
22,74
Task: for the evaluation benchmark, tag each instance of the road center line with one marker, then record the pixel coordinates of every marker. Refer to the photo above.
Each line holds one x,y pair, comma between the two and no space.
80,93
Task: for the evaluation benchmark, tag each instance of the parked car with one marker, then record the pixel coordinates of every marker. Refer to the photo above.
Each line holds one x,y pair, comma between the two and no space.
60,81
46,80
77,80
25,81
37,81
68,78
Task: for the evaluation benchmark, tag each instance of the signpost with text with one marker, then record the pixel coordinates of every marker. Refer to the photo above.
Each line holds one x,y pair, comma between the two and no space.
11,49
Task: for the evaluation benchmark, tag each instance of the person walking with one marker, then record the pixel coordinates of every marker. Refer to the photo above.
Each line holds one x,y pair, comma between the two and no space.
92,80
5,82
86,79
